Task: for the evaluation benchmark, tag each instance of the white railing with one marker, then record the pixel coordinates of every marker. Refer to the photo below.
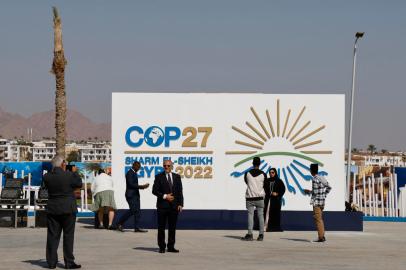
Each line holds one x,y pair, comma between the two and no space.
84,205
379,196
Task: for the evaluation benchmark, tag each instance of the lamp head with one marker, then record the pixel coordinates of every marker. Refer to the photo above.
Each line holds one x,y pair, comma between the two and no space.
359,34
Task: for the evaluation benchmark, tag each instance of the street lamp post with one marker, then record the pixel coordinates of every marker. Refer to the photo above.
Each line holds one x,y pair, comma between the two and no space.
358,35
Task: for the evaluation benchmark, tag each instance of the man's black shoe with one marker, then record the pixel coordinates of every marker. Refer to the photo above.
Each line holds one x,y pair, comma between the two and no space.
73,266
260,237
140,230
51,266
247,237
120,228
173,250
161,250
320,240
111,228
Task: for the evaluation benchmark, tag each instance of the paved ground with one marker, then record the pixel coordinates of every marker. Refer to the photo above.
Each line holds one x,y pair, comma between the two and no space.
380,246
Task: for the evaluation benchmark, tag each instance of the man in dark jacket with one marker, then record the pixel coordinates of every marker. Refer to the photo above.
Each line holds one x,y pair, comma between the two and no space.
168,190
61,212
132,195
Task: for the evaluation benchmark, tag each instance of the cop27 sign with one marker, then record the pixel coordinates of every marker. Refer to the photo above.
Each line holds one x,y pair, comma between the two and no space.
212,139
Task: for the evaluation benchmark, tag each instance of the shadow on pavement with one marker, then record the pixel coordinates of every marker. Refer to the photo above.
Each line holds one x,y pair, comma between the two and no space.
42,263
233,237
89,227
151,249
297,240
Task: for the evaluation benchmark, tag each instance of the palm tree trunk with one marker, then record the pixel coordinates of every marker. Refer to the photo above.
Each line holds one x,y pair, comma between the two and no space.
58,68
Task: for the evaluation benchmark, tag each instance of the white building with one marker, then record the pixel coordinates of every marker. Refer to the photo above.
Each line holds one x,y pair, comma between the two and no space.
3,149
385,160
43,150
11,151
95,152
46,150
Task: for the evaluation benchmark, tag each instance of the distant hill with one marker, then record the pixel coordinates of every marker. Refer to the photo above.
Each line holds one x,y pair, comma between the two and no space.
79,127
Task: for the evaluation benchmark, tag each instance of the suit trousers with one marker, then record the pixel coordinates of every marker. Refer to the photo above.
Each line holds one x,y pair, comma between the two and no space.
170,216
135,210
318,220
56,224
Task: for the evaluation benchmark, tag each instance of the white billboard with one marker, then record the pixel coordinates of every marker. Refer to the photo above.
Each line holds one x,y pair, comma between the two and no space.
212,138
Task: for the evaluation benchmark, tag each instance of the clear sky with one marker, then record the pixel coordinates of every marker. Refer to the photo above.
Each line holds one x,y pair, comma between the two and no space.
214,46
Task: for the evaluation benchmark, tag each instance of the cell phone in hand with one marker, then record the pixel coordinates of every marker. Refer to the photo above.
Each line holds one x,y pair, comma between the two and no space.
69,167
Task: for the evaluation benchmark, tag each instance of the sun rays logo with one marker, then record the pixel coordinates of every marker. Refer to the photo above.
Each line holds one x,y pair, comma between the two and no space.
290,148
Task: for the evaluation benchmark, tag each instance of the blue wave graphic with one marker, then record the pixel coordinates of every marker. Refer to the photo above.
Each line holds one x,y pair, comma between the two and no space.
306,177
291,189
322,173
295,180
263,167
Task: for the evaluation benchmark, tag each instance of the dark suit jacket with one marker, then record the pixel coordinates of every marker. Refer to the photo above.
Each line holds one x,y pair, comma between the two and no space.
132,187
161,187
60,185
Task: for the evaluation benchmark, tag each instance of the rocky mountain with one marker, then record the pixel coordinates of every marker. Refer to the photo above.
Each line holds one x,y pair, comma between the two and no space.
79,127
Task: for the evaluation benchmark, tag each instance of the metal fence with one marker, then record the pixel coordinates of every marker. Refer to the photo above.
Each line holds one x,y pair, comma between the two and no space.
28,189
379,197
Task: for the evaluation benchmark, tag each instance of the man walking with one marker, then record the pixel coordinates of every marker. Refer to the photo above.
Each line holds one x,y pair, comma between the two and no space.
254,198
132,195
320,189
168,190
61,212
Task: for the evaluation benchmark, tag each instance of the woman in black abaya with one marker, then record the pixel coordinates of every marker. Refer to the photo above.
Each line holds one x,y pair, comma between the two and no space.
274,190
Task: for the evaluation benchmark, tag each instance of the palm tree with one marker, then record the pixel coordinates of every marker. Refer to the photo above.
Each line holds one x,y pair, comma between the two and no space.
371,148
92,167
73,156
58,69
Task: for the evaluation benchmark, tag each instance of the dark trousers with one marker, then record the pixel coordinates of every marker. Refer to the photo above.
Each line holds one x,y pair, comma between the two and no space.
56,224
274,219
170,216
135,210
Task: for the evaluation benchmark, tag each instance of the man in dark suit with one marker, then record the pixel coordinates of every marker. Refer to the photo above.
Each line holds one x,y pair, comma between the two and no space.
61,212
132,195
168,189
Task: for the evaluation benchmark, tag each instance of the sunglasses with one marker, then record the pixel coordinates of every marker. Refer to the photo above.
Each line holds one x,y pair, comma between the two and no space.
272,172
167,166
